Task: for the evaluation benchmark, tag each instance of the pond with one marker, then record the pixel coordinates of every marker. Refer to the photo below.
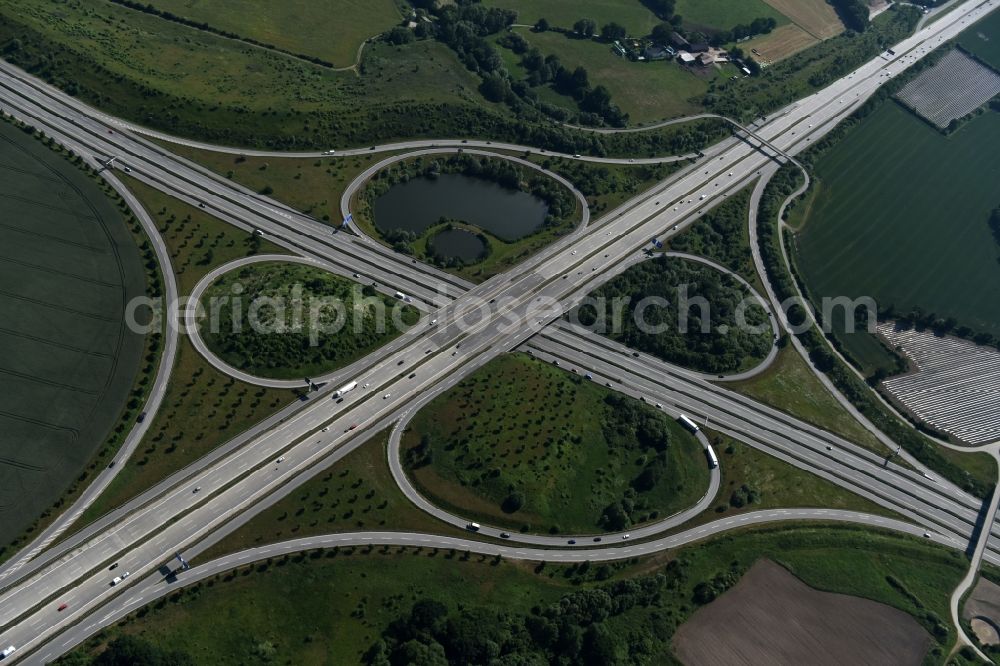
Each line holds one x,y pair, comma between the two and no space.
460,244
420,203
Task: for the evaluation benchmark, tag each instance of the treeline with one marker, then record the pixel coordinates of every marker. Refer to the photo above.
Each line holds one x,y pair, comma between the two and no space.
129,651
580,628
703,346
786,181
594,102
994,224
853,13
208,27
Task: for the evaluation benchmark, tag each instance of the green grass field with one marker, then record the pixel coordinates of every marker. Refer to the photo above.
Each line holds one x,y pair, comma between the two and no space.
983,39
776,485
259,614
901,215
647,91
519,427
789,385
724,14
331,30
634,16
321,321
68,359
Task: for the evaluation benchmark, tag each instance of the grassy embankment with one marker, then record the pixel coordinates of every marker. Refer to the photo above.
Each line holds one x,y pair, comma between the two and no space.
356,493
524,444
790,386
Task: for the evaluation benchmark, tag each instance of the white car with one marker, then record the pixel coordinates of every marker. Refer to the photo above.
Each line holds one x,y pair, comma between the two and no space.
125,575
386,396
625,536
281,459
9,650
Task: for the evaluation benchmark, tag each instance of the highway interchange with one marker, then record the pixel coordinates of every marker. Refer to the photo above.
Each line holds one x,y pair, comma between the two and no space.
475,323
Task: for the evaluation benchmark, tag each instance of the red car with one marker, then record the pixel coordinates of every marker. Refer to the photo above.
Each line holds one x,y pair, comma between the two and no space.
353,426
62,607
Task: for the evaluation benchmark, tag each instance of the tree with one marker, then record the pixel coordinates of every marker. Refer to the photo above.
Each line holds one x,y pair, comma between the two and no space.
399,35
613,31
513,502
541,25
661,33
585,27
662,8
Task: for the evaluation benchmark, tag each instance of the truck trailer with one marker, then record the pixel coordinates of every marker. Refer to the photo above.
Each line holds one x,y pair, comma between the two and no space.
346,388
688,423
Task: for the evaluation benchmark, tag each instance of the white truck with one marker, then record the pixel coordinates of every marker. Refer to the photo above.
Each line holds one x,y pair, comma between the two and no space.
9,650
688,423
713,461
346,388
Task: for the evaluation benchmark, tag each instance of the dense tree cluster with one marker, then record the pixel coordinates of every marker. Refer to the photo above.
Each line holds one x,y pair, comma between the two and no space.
286,348
721,235
578,629
854,13
703,345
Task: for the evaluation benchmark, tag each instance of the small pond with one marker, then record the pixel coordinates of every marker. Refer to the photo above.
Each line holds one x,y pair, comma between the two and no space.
420,203
460,244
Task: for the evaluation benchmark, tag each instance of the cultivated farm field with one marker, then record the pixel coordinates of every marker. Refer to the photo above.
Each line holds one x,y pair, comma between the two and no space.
901,214
983,39
68,266
712,15
828,630
331,30
783,41
817,17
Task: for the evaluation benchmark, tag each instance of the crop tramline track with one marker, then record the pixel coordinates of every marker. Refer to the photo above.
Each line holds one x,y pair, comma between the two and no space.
852,471
532,286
